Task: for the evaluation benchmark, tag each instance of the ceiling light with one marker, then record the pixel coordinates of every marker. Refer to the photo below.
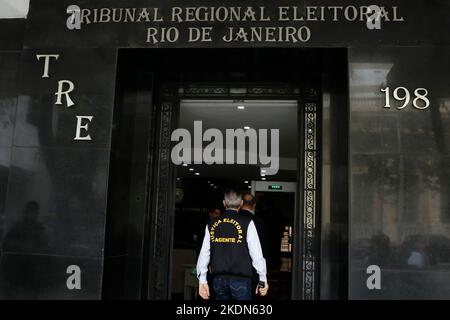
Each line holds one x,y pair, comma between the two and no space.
246,128
263,174
240,107
185,164
246,181
249,187
263,170
197,174
263,178
191,169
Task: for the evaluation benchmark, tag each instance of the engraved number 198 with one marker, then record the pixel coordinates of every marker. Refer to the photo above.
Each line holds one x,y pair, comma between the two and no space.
420,100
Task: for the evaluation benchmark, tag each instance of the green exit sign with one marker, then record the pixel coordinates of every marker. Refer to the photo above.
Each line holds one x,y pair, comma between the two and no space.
275,187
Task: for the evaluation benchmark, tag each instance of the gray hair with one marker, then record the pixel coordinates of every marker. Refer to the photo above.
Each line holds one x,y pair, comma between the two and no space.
232,199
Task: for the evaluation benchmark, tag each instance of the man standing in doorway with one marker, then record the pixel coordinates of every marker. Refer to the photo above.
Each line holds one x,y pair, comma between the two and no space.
231,246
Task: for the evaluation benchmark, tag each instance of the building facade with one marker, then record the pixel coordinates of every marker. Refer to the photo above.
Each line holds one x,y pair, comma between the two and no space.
90,92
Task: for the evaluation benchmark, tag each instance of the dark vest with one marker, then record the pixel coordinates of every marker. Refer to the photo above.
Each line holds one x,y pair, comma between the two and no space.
229,250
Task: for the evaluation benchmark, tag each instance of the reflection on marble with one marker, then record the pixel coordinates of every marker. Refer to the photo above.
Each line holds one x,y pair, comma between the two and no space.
39,122
9,66
56,201
54,211
400,175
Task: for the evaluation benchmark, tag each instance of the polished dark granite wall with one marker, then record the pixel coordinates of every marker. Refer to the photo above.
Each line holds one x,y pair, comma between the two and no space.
400,174
11,34
9,66
53,190
55,208
334,198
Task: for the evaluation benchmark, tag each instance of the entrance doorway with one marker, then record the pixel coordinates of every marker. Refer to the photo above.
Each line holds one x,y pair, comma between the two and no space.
200,187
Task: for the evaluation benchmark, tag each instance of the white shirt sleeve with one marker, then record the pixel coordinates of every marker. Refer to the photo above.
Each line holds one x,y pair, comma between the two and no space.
254,247
203,258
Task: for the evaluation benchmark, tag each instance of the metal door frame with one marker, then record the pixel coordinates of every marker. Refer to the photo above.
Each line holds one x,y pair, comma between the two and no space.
306,261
